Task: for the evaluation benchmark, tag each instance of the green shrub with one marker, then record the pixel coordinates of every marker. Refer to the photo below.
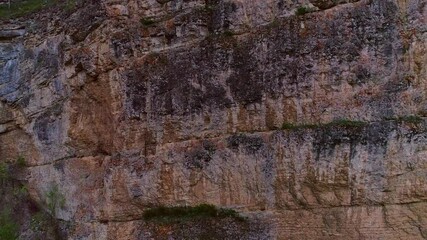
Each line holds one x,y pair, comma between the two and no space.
54,199
9,229
20,162
228,33
4,171
147,21
287,125
178,213
21,191
302,10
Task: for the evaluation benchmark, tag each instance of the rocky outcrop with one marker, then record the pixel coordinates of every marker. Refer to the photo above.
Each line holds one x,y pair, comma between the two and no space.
310,122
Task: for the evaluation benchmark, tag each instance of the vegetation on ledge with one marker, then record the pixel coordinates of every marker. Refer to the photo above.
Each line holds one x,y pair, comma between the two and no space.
147,21
410,119
335,123
186,213
22,8
302,10
345,123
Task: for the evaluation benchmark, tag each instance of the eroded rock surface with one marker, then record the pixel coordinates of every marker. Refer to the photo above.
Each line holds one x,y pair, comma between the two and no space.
126,105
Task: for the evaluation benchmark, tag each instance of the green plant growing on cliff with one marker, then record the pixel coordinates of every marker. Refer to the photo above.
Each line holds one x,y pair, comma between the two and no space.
22,8
21,191
336,123
303,10
185,213
346,123
8,227
291,126
4,171
411,119
38,221
70,4
147,21
20,162
228,33
54,199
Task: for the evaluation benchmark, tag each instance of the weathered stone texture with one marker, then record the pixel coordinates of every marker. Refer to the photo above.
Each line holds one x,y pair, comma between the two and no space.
130,104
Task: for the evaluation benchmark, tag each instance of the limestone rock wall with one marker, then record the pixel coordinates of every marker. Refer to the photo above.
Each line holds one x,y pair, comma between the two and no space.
130,104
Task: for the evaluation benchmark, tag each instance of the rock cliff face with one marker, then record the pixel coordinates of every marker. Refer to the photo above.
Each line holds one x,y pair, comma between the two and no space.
306,116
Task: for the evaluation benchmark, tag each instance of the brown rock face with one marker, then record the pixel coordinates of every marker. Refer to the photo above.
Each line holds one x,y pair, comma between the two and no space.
309,123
